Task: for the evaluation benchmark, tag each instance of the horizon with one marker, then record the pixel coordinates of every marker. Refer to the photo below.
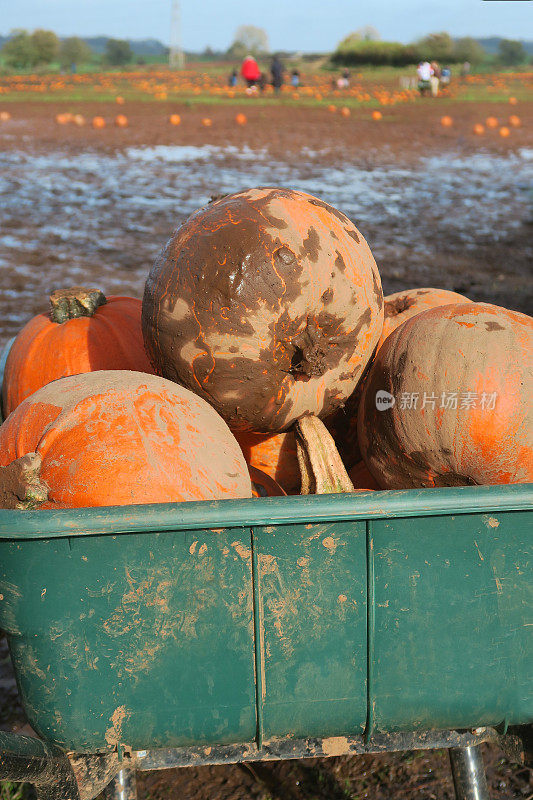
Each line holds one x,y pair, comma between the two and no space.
319,29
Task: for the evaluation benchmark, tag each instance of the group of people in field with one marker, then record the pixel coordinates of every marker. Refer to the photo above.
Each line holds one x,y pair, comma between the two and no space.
432,78
255,79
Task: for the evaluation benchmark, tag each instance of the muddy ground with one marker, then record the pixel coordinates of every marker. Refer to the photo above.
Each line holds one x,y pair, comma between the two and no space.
438,206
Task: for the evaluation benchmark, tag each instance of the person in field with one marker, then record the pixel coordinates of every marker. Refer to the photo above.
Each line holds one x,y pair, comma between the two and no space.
295,78
445,77
250,71
423,72
232,80
276,70
435,78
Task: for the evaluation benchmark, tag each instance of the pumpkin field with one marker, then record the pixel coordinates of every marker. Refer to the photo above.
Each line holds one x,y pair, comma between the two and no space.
150,191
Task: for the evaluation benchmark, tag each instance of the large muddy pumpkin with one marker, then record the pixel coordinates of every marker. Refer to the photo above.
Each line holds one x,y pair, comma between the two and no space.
268,304
84,332
397,308
274,454
447,401
401,306
120,438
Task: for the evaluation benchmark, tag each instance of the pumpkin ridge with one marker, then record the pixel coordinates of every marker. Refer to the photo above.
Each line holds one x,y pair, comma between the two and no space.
122,323
11,399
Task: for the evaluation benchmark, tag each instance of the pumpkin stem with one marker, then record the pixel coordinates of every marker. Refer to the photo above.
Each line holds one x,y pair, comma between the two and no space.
76,302
320,463
21,485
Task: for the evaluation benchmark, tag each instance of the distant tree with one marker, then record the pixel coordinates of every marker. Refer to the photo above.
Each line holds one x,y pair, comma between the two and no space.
437,47
249,39
468,49
511,52
45,46
367,34
118,52
74,51
354,51
18,51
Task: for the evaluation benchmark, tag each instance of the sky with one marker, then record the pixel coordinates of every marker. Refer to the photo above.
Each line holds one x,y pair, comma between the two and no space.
306,25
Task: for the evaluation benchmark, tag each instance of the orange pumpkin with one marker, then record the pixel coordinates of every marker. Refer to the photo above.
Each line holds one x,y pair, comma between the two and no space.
446,121
268,304
121,121
361,477
175,119
377,115
400,306
151,441
491,122
479,129
240,119
263,485
273,454
461,377
504,132
84,332
98,123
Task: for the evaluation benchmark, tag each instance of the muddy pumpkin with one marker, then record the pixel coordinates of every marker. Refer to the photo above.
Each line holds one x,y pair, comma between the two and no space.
84,332
462,380
400,306
151,441
274,454
268,304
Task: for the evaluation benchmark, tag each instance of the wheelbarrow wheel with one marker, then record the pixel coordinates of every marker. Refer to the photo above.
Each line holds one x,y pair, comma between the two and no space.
468,773
123,786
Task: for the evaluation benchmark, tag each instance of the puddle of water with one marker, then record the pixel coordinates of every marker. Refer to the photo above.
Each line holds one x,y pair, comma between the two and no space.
102,219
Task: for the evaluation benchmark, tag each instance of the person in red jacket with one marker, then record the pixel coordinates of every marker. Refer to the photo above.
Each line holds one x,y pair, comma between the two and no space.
250,71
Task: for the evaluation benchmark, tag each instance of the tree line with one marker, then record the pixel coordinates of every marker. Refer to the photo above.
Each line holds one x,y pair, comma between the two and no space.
363,47
25,50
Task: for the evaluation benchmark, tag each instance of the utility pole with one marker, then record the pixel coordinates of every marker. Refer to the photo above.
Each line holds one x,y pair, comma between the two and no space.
176,59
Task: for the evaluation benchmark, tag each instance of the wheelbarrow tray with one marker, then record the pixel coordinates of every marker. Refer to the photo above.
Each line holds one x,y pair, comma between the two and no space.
258,621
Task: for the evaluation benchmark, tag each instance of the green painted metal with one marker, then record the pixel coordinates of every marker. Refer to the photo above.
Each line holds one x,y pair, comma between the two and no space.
242,621
269,511
311,581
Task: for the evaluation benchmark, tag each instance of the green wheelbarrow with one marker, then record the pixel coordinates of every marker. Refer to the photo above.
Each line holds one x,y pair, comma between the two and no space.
147,637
